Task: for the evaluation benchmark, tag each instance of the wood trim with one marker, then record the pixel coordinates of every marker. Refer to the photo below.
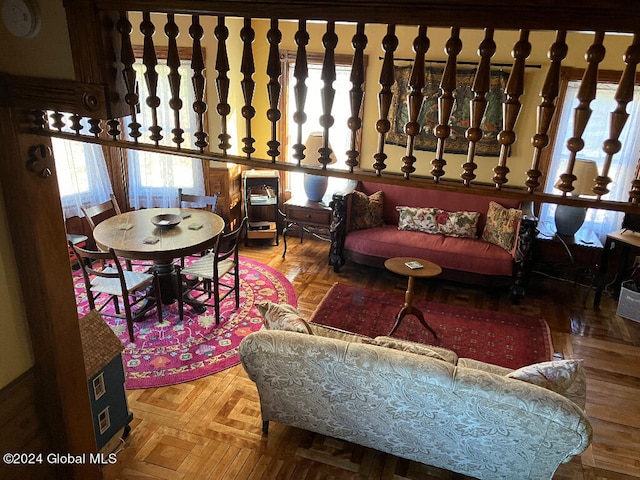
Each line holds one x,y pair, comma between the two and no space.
39,243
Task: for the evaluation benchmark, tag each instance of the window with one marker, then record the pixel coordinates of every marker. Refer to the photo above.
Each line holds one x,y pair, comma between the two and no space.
339,134
83,178
624,163
154,178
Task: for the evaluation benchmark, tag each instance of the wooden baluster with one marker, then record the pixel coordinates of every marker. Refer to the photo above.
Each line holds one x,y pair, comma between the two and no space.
247,68
634,193
127,58
385,96
618,118
57,122
114,128
478,104
39,119
75,120
415,98
96,127
514,89
150,61
448,86
301,73
359,42
582,112
547,108
197,65
222,83
327,93
274,70
172,31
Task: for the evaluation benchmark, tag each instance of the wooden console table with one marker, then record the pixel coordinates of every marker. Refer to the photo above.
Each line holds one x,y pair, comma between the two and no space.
306,216
628,240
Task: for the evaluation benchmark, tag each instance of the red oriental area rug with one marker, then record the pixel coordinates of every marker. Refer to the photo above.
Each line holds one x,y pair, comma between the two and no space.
173,351
504,339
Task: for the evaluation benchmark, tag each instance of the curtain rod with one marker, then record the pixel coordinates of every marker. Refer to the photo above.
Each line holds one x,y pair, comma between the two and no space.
460,63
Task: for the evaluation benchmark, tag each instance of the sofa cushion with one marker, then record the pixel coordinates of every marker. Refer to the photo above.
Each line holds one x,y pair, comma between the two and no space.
502,226
366,210
458,224
565,377
432,351
418,219
464,254
282,317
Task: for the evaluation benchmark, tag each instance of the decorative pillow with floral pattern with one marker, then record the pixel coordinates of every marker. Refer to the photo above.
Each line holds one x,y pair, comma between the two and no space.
419,219
282,317
565,377
458,224
366,211
502,226
440,353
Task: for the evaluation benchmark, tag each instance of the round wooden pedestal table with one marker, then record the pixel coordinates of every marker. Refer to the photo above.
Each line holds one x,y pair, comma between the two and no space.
399,266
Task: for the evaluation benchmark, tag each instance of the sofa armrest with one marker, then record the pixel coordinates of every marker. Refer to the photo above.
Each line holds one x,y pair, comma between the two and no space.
341,204
523,251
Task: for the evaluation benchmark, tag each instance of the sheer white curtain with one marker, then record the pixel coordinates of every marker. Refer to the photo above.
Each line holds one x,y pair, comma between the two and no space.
154,178
83,179
624,162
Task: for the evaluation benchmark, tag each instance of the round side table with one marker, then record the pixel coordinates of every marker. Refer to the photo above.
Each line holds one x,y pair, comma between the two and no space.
399,266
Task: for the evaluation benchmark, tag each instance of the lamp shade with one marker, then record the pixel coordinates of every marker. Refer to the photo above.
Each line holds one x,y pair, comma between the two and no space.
315,186
585,171
313,144
569,219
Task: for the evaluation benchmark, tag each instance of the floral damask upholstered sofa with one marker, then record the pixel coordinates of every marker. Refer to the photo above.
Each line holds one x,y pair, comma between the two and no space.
475,239
420,402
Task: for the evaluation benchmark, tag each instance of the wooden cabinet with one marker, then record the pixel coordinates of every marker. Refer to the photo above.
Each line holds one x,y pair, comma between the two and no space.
226,182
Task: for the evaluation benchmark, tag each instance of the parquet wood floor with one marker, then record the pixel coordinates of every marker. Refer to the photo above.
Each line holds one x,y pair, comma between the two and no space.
211,428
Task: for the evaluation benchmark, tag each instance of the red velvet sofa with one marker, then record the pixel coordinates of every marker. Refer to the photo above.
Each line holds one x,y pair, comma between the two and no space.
470,260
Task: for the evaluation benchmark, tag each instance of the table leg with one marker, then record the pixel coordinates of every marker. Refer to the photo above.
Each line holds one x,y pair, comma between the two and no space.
409,309
602,273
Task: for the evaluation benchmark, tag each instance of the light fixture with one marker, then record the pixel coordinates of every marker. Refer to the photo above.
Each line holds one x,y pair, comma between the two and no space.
569,219
315,186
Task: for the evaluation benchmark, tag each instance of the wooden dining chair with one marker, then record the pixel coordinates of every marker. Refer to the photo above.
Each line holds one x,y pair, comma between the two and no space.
216,275
203,202
104,276
96,213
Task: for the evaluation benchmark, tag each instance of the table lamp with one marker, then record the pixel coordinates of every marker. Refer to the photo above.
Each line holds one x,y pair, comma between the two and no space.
315,186
569,219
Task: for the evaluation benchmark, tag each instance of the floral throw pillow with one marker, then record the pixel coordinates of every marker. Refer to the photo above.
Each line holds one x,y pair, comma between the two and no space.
366,210
440,353
565,377
282,317
502,226
419,219
458,224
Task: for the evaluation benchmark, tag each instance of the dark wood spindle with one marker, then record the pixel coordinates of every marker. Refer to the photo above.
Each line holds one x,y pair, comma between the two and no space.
197,65
356,94
127,57
38,119
75,120
618,118
222,83
547,108
478,104
274,70
448,86
150,61
634,193
582,112
172,31
95,126
57,122
327,93
301,73
385,96
415,99
247,67
514,90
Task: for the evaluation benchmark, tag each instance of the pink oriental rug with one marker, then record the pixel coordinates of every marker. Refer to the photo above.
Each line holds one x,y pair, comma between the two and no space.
175,352
500,338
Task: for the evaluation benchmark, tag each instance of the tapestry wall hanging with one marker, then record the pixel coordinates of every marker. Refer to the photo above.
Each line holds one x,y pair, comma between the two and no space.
459,122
